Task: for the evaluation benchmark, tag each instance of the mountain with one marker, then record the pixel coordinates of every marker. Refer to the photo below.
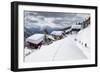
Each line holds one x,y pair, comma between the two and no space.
30,29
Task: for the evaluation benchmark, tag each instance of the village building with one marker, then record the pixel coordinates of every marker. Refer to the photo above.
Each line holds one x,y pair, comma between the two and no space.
57,34
35,41
48,39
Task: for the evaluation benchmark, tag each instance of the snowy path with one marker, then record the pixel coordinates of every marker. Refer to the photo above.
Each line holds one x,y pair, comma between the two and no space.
69,51
63,49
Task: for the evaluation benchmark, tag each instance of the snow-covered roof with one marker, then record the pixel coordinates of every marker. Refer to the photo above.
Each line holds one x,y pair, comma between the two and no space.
57,33
36,38
76,26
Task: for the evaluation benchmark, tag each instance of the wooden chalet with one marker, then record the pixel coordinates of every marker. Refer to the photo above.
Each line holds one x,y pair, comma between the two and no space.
35,41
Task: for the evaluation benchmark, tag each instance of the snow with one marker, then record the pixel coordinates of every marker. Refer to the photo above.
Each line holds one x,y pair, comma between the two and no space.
69,51
76,26
27,50
36,38
57,33
68,30
63,49
84,36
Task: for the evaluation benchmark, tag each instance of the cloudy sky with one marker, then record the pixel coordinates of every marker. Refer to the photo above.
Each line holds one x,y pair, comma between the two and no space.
53,19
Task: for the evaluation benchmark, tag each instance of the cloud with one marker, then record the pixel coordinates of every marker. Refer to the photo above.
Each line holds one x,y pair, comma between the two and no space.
52,19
